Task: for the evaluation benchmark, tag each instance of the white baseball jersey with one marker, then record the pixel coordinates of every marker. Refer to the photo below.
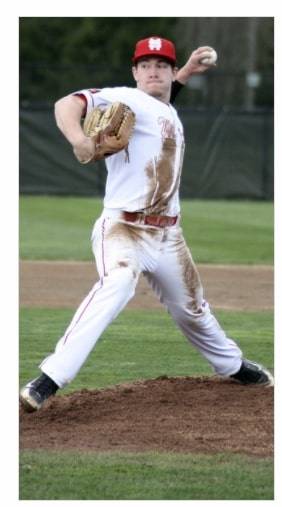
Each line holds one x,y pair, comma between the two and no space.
149,179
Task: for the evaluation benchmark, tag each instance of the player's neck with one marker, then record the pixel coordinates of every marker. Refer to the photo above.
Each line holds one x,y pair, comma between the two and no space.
165,100
161,97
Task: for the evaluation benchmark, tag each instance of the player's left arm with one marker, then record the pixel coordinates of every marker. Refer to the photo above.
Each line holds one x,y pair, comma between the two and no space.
191,67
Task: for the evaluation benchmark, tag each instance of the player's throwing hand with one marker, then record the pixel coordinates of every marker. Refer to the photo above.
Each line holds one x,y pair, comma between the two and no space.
84,150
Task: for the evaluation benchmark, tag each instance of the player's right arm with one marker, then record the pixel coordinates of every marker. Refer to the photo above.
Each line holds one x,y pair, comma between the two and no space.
68,113
191,67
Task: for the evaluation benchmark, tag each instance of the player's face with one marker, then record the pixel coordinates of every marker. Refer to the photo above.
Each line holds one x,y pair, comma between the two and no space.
154,76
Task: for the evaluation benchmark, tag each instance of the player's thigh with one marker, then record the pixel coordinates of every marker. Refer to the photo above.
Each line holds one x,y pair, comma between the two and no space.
176,278
114,247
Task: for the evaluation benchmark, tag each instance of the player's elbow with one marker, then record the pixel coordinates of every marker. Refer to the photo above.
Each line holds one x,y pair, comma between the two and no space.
57,111
60,106
68,107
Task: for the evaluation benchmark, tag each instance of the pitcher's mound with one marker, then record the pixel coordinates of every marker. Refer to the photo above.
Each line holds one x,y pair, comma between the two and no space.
183,414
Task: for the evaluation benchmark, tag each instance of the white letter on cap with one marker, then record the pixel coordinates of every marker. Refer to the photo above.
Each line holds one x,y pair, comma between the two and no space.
155,43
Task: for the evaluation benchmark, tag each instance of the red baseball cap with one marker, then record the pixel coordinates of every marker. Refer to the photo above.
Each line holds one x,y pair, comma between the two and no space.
155,46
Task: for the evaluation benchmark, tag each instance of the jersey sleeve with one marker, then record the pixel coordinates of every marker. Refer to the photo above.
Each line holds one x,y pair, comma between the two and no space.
87,95
94,97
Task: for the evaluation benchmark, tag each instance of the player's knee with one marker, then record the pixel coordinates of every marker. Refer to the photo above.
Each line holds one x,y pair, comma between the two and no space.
126,275
193,312
127,264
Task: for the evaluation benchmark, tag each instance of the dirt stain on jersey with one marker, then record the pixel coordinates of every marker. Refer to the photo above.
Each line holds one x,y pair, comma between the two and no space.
160,174
123,264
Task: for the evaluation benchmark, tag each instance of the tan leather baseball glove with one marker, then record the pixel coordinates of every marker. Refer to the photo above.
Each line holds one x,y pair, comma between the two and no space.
110,129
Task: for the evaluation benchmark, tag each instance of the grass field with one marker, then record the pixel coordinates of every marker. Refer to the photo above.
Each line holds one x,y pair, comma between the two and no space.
143,476
143,345
218,232
138,345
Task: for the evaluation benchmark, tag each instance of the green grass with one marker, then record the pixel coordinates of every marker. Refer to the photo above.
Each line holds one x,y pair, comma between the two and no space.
138,345
57,227
143,476
239,232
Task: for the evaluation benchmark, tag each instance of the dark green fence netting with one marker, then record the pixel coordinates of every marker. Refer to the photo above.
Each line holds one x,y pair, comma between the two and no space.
229,154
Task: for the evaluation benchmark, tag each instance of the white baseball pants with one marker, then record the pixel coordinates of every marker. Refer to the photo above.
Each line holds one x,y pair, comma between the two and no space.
122,251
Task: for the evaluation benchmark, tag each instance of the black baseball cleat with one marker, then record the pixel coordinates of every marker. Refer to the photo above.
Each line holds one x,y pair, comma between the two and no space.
33,395
253,373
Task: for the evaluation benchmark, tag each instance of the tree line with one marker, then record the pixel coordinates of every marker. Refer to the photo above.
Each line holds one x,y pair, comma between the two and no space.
59,55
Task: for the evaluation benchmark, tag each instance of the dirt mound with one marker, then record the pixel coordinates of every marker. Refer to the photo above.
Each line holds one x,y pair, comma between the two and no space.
181,414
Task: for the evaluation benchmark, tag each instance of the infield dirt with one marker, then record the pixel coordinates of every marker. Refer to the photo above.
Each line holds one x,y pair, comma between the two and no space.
58,284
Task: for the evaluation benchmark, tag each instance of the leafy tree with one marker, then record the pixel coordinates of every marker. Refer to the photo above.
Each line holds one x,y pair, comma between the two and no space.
59,55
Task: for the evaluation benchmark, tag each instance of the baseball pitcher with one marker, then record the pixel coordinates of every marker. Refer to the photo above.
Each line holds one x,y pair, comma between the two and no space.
139,134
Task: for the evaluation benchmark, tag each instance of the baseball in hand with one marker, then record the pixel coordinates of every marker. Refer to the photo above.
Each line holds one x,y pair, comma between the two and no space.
209,57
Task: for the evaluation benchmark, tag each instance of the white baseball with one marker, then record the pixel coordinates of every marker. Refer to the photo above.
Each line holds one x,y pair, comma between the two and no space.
209,57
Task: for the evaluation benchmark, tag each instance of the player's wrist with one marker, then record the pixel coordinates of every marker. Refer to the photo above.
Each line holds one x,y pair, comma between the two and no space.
185,73
78,139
